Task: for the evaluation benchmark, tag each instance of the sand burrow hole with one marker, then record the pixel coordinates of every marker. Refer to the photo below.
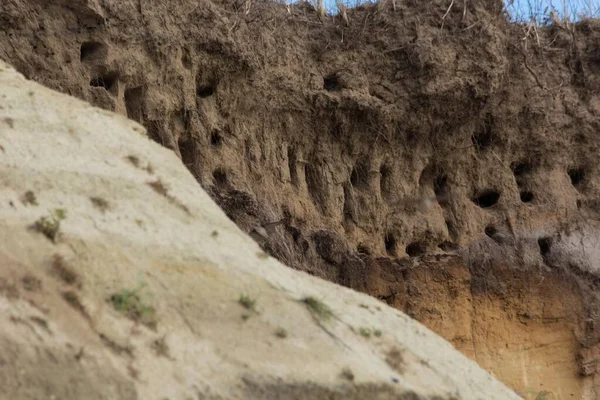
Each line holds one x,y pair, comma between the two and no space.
93,51
486,198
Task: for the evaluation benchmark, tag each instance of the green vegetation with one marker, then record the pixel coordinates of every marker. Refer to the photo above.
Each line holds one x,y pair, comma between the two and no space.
365,332
247,302
50,225
129,303
542,396
317,308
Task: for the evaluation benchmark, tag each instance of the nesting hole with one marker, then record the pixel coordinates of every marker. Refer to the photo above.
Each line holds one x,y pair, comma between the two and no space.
490,231
522,168
545,243
133,103
203,90
331,83
220,177
440,188
526,196
577,176
487,198
108,81
215,138
416,249
187,150
363,249
93,51
390,244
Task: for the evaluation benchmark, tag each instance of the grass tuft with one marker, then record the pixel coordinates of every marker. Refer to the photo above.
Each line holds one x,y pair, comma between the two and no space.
129,303
317,308
365,332
247,302
50,225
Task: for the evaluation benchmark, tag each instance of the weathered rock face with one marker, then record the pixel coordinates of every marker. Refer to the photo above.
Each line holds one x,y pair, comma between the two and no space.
408,134
140,287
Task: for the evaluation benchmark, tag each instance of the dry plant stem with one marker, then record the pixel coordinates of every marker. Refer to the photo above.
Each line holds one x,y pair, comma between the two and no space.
446,14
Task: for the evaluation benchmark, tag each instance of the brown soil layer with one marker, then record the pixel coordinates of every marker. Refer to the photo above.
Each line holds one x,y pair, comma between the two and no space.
345,129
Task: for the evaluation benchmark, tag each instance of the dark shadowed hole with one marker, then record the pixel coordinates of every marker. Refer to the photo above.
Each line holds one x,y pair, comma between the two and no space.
363,249
220,177
215,138
331,83
522,168
545,244
91,51
354,177
486,199
577,176
107,81
440,187
204,91
390,244
416,249
526,196
490,231
359,177
187,151
448,246
133,103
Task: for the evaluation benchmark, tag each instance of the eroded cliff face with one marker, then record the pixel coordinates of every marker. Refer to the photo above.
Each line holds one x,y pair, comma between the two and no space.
442,162
122,279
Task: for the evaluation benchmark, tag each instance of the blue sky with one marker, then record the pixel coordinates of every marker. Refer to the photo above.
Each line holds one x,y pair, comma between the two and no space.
524,9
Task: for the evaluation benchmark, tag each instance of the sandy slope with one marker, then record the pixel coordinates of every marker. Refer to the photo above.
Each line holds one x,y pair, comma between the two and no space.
136,219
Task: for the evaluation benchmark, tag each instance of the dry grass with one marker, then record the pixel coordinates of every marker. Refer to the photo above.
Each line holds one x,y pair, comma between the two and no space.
29,198
100,204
